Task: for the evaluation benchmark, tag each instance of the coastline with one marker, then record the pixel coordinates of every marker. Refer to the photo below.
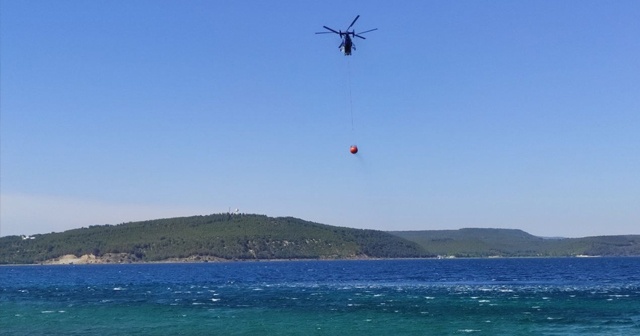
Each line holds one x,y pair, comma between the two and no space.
125,258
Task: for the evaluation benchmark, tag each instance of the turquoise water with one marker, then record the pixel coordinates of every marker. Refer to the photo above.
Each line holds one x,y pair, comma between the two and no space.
565,296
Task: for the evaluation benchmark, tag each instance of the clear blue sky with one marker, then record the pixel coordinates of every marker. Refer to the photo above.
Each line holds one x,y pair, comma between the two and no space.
505,114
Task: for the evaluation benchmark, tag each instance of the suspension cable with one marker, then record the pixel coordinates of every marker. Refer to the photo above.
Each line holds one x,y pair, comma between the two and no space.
350,94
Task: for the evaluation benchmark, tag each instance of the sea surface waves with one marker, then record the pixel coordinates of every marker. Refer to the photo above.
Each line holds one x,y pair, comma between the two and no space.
528,296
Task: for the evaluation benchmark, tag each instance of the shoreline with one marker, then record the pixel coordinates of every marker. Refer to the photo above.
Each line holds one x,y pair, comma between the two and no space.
69,259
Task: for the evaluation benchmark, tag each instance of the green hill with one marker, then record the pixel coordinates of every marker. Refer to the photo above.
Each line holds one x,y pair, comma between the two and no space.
517,243
257,237
222,236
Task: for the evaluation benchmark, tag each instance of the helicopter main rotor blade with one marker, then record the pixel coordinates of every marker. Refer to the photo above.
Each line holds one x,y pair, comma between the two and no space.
354,21
325,27
366,31
356,35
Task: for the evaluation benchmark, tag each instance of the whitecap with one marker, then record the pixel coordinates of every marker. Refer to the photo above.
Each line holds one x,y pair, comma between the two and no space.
47,311
619,295
215,300
469,330
117,288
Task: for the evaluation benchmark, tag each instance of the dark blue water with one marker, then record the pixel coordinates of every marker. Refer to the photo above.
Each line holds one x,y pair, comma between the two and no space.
564,296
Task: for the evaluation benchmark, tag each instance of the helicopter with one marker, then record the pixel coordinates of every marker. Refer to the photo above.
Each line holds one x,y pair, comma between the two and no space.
347,44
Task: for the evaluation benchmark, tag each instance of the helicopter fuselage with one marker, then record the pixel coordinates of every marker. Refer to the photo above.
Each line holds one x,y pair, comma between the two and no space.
346,45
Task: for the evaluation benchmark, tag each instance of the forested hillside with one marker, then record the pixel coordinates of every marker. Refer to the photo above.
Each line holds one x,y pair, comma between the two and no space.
223,236
517,243
257,237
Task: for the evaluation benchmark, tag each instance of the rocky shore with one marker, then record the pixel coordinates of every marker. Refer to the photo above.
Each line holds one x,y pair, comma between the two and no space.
120,258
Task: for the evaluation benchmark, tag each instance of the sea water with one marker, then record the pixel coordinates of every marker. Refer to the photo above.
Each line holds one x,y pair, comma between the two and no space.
551,296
